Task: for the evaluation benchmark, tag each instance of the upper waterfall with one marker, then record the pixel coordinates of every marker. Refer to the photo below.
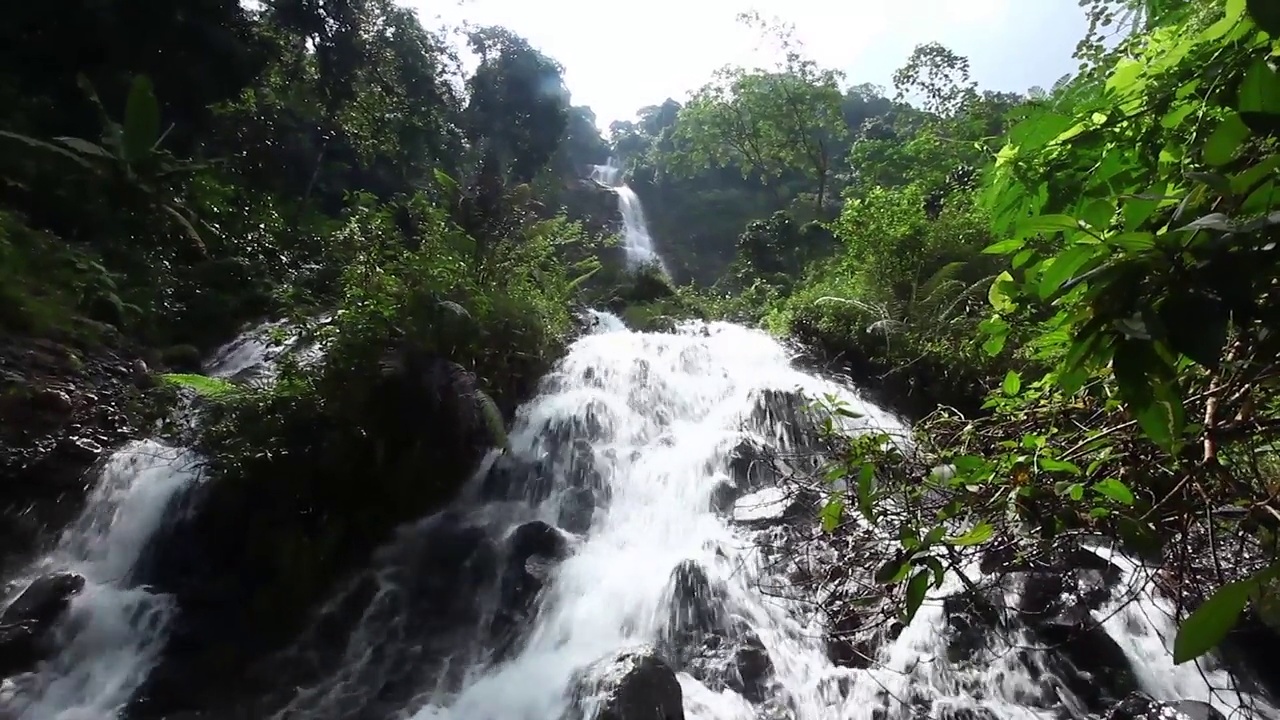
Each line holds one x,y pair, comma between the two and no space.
635,229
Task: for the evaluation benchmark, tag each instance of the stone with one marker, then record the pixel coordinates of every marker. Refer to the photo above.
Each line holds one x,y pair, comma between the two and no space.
25,625
634,684
1140,706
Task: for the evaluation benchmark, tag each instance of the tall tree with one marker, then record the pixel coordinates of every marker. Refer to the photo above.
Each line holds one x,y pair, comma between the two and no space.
518,104
767,122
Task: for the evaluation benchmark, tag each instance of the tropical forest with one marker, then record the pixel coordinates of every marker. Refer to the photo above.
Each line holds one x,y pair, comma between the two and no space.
352,369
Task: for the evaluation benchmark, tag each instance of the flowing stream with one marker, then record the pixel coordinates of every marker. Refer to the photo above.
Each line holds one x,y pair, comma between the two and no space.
631,459
114,630
636,239
648,427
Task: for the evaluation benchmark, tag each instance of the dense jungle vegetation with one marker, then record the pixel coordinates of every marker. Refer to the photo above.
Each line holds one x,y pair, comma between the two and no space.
1073,290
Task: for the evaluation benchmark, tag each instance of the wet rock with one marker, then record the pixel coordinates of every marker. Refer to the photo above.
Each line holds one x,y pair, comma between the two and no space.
26,624
576,510
773,507
44,600
141,373
264,542
53,404
537,538
697,606
842,648
1139,706
633,684
723,496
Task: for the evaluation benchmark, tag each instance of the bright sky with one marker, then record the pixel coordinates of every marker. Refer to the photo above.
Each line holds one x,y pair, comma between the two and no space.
621,56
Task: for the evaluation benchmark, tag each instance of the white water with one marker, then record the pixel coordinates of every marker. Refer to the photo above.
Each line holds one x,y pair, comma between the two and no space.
667,410
636,239
114,630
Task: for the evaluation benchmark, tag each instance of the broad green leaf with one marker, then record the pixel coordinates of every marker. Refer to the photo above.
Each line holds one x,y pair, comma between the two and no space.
1266,13
1245,181
831,514
1046,224
1039,130
1076,492
1234,12
1224,143
202,384
1147,388
85,147
1210,623
1055,465
1012,383
1004,247
997,296
1064,267
141,120
1126,76
1115,490
866,490
49,147
978,534
1260,98
1133,241
916,590
895,569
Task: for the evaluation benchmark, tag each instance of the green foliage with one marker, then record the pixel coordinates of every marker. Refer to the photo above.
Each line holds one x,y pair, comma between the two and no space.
203,385
766,123
1121,249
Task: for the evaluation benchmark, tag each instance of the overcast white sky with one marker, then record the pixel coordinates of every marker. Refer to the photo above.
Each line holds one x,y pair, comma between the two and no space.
621,56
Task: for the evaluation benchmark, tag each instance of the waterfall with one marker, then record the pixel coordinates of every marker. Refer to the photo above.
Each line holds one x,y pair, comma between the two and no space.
626,453
113,631
635,230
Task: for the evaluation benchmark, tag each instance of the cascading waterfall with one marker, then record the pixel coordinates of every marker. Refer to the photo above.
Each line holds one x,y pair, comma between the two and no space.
113,631
635,230
630,442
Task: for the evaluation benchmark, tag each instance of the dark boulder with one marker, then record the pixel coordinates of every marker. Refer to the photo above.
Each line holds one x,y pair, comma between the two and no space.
26,624
633,684
266,537
577,508
697,605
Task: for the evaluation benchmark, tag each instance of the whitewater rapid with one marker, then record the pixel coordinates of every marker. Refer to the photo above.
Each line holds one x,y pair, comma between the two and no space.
114,630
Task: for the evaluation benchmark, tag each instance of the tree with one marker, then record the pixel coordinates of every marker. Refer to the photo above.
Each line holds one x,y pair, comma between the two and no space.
768,123
518,105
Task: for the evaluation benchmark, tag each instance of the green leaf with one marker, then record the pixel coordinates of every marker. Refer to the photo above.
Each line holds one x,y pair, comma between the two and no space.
141,120
916,590
1266,13
1231,18
998,296
1133,241
1076,491
866,491
831,514
1210,623
1260,98
1113,489
1012,383
202,384
894,570
1004,247
48,147
1046,224
1147,386
85,147
1054,465
976,535
1064,267
1245,181
1224,143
